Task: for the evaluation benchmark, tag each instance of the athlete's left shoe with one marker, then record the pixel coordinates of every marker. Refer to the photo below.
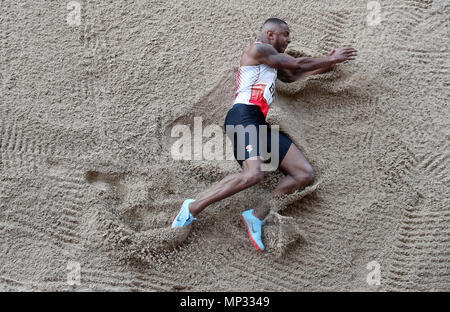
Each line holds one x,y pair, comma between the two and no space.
184,217
254,228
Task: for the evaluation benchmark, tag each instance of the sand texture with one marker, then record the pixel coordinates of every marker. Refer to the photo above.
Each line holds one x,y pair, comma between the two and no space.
87,176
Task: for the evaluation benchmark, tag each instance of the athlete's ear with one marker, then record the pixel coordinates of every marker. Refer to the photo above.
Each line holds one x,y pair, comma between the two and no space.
270,34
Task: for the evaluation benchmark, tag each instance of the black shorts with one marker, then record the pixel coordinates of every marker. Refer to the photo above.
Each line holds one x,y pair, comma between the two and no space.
252,135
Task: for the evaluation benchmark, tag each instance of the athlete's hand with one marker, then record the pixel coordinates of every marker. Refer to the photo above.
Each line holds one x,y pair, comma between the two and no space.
331,54
343,54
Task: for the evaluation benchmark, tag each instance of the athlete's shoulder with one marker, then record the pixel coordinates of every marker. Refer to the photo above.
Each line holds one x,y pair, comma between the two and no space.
256,53
260,49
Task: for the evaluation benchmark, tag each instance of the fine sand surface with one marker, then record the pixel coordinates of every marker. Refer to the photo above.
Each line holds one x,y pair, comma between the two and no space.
87,179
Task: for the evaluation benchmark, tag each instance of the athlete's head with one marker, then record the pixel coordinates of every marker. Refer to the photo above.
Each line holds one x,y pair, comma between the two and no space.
276,32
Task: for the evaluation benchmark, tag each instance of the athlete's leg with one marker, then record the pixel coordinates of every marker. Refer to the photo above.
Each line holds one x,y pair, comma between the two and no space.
251,174
298,174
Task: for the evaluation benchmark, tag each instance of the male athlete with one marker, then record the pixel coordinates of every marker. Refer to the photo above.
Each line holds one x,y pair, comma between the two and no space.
261,64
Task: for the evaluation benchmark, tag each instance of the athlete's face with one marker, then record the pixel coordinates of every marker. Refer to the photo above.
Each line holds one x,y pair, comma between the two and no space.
280,38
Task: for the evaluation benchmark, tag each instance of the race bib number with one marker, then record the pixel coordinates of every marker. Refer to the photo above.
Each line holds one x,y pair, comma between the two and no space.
269,93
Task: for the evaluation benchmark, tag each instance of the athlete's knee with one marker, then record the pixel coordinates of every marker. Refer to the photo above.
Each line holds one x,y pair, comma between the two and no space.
305,177
310,176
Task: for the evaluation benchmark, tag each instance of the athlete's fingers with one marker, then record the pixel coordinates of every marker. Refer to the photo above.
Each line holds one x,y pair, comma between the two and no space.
346,52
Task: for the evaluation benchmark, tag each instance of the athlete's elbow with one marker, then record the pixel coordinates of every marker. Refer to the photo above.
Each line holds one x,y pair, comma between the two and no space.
301,64
304,68
306,64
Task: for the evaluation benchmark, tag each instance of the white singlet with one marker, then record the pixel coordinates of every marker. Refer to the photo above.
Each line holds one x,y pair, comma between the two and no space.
255,85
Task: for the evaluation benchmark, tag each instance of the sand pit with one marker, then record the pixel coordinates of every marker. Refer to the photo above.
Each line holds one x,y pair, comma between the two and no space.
87,179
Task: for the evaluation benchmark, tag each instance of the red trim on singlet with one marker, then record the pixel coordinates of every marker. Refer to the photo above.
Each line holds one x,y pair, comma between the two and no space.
238,82
258,99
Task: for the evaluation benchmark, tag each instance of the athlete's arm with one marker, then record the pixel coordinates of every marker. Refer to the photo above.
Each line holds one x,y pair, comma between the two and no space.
266,54
287,75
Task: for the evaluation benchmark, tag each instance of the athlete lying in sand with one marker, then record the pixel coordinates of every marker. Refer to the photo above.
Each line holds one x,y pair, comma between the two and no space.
261,64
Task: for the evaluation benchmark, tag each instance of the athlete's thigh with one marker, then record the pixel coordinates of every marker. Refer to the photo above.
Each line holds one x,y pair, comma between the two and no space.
295,163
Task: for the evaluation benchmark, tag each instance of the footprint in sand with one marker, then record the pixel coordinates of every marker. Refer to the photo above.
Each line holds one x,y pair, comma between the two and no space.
283,233
135,220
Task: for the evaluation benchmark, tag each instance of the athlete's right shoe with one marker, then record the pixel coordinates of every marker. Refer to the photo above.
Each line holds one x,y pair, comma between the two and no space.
184,217
254,228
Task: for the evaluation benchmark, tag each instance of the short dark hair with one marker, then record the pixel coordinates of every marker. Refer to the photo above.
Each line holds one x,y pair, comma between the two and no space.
274,20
